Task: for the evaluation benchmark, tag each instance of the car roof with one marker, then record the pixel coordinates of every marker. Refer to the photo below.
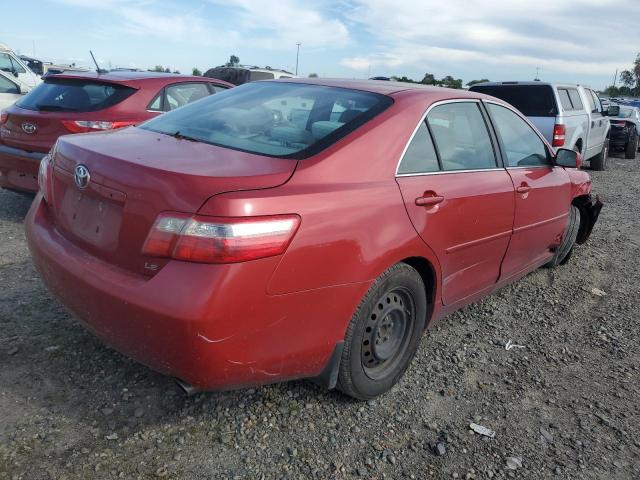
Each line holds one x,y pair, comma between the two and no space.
383,87
132,78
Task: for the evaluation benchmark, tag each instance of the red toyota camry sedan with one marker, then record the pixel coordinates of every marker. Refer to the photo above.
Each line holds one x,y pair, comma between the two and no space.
86,102
301,228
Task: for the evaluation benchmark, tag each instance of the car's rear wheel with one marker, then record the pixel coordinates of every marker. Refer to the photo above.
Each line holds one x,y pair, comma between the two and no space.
599,162
632,146
383,334
564,251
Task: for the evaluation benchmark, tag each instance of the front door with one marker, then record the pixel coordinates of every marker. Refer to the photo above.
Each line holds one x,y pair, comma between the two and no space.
542,192
459,200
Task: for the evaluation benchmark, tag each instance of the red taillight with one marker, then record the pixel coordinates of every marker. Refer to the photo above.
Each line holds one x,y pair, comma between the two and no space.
219,239
44,176
619,124
83,126
559,132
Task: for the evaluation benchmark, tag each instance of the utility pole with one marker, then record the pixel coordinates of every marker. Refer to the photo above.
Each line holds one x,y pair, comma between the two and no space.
537,79
615,78
297,56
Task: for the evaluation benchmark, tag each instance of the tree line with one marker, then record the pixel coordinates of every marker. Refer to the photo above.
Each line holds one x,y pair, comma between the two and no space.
630,80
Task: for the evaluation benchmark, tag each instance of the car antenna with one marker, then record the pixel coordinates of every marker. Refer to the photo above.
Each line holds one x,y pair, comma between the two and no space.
94,61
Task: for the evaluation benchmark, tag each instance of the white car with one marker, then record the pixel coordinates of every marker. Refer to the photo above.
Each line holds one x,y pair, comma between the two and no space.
11,64
10,90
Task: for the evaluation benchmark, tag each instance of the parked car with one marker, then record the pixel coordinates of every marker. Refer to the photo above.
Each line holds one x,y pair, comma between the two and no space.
11,63
569,116
85,102
625,131
233,243
10,90
239,74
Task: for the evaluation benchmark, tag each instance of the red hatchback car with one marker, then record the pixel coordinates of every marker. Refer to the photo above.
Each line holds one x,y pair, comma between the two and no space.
85,102
301,228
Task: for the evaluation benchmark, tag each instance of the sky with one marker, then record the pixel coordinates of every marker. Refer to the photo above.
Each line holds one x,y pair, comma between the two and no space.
578,41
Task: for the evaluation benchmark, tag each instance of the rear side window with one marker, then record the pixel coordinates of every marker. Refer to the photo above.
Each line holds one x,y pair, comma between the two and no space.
523,147
563,93
273,118
531,100
461,137
72,95
420,156
575,99
180,94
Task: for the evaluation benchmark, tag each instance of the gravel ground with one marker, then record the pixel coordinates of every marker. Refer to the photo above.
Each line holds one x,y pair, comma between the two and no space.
564,404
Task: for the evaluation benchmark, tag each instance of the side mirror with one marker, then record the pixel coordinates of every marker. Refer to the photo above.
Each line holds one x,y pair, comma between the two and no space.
568,158
15,73
613,110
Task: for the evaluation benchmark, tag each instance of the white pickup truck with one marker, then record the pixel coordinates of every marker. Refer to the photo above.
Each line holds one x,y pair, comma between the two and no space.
569,116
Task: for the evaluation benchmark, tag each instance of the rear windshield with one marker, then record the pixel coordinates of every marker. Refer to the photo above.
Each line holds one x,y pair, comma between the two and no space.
70,95
276,119
532,100
625,113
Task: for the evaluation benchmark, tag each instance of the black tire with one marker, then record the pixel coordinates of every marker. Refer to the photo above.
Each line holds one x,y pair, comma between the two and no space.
383,334
564,251
632,146
599,162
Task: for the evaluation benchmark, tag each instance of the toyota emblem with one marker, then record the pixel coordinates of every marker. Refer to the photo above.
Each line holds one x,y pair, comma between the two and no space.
82,177
28,127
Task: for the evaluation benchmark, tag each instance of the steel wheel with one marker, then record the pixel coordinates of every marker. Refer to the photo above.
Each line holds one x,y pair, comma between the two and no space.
387,332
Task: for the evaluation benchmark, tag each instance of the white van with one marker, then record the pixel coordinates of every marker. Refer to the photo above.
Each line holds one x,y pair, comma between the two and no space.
10,63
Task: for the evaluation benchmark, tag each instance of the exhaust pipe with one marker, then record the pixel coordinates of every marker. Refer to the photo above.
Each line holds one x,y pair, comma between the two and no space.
187,388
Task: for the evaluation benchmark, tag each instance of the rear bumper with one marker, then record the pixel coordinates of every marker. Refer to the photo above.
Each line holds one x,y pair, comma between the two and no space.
19,169
212,326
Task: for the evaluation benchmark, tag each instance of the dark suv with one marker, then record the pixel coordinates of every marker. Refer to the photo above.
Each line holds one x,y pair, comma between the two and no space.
85,102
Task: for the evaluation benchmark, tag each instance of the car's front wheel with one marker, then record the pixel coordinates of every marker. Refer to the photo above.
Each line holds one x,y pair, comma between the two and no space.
384,333
564,251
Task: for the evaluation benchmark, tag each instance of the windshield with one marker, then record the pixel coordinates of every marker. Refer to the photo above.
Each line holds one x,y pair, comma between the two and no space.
532,100
273,118
74,95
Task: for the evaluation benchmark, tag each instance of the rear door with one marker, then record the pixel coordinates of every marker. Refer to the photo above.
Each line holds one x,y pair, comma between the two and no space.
458,198
542,192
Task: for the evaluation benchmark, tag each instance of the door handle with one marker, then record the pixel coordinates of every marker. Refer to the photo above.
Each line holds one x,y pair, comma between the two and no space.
524,188
429,200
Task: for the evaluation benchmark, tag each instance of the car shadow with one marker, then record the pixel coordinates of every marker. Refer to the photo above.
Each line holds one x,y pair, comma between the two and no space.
14,205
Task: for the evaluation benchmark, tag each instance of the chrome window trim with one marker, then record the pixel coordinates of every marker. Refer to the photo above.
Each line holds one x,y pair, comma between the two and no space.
448,172
477,101
535,130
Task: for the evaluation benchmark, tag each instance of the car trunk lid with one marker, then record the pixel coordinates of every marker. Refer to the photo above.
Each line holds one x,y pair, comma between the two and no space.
134,175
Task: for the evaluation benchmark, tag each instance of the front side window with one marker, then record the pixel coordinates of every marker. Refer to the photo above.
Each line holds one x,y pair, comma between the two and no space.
17,67
461,136
74,95
271,118
523,147
596,102
420,156
7,86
